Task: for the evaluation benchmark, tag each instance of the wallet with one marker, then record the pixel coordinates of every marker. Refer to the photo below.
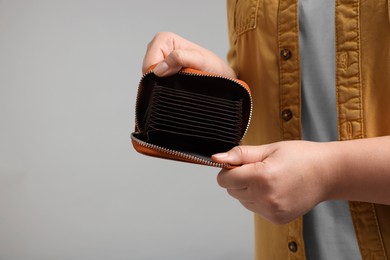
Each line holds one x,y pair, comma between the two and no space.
190,116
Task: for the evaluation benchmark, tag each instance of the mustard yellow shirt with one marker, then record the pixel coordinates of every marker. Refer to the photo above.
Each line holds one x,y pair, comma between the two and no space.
265,53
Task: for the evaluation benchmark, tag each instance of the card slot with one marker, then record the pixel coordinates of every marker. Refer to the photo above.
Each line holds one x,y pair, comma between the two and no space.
206,131
200,99
196,100
195,128
199,123
209,119
192,97
190,94
188,131
174,131
196,122
183,127
205,109
190,144
182,112
204,100
162,111
195,103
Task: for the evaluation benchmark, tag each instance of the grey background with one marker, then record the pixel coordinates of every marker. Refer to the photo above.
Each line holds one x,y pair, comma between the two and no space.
71,185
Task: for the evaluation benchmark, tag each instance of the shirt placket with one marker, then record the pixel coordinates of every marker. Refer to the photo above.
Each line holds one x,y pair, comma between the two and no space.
350,116
290,101
290,94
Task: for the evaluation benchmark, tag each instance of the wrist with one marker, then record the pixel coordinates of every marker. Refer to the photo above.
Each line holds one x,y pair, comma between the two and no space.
333,177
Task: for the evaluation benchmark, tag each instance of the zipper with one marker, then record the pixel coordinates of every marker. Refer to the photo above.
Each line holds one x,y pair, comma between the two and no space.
178,154
137,99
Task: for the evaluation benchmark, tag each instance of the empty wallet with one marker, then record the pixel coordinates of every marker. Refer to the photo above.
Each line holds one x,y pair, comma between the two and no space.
190,116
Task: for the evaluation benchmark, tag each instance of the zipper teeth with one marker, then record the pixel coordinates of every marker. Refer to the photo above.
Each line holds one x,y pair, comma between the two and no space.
138,97
179,154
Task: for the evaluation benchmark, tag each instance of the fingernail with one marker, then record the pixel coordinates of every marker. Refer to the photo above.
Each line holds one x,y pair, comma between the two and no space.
161,68
221,155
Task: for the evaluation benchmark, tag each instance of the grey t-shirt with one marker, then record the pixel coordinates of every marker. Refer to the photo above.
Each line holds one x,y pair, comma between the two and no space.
327,229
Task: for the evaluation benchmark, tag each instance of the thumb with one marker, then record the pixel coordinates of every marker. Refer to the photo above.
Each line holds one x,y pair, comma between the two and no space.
240,155
178,59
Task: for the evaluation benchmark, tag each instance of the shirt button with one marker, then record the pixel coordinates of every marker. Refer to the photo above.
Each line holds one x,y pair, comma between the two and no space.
292,246
285,54
287,115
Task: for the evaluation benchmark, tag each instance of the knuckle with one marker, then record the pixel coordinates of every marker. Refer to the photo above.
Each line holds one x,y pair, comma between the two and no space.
220,180
161,37
248,205
278,213
279,219
259,167
240,151
153,40
231,192
177,56
164,35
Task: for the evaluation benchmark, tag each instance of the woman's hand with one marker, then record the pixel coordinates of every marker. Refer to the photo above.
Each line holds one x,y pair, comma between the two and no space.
171,52
279,181
284,180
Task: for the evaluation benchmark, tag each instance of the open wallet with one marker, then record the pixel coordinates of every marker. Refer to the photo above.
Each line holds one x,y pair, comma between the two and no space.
190,116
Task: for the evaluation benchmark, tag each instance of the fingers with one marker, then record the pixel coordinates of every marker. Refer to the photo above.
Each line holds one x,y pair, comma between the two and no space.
251,160
171,53
244,182
178,59
240,155
249,205
243,195
160,47
233,179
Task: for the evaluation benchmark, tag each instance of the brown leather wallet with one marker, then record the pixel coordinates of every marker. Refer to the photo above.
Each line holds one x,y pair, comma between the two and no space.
190,116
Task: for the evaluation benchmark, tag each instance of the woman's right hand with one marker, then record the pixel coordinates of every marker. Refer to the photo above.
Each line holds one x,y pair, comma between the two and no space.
171,53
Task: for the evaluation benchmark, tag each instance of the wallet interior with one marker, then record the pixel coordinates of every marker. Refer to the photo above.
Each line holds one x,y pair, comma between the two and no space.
197,115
